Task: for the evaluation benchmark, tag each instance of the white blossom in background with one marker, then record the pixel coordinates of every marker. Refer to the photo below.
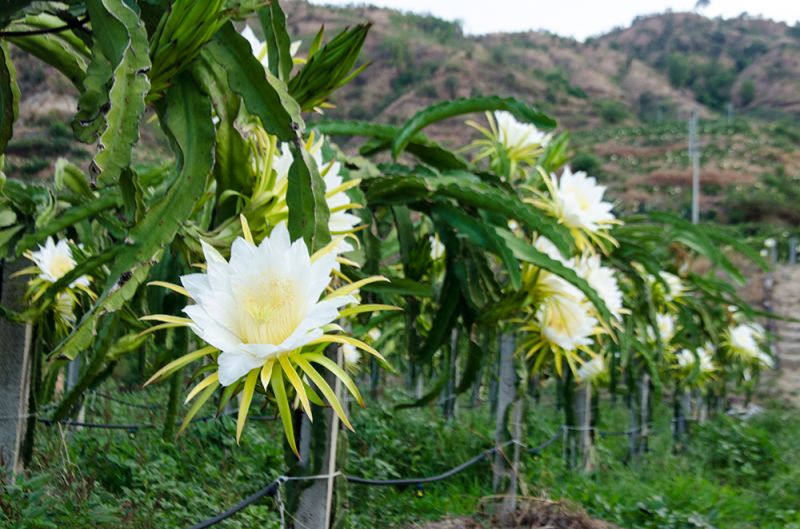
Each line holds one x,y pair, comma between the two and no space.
705,356
546,246
259,48
516,135
579,203
685,358
592,370
675,287
341,220
746,338
602,279
54,260
437,248
262,303
765,360
563,315
352,356
666,328
374,334
770,243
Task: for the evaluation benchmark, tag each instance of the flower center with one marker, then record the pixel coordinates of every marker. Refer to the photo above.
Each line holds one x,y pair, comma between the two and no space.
272,311
60,265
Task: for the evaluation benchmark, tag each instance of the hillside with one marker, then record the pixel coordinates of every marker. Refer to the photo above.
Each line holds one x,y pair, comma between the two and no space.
625,95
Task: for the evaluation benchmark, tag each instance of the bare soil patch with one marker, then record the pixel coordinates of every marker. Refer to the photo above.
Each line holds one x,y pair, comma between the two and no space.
532,513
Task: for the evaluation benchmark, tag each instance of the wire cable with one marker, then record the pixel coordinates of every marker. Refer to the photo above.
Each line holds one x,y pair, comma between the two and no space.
268,490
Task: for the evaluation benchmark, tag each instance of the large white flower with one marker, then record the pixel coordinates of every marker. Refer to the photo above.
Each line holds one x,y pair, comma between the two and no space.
746,338
591,370
262,303
54,260
565,321
602,279
515,135
579,201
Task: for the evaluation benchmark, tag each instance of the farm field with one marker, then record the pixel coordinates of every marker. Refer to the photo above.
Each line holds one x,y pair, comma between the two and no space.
733,474
290,265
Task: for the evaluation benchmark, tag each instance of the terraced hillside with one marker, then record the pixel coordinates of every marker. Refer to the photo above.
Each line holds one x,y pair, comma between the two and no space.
625,95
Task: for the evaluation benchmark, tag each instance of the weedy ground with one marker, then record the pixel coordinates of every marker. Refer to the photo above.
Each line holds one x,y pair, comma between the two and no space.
733,474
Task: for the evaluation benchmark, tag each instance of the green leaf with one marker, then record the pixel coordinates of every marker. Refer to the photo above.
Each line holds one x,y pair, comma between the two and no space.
429,397
273,22
472,369
122,29
457,107
448,307
129,86
231,148
469,190
67,218
400,286
9,96
70,177
405,236
427,150
63,50
526,252
264,94
186,119
305,197
481,234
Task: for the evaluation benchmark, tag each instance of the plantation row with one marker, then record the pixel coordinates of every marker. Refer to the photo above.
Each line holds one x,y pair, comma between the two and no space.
263,261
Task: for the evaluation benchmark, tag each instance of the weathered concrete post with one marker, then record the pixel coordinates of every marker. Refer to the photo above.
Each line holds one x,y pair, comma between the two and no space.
508,427
583,415
15,365
644,414
318,507
449,403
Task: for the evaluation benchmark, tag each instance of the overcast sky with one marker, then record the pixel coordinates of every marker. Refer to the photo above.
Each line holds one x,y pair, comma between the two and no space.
574,18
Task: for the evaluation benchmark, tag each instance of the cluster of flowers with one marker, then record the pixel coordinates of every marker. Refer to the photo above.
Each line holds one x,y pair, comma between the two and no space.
563,322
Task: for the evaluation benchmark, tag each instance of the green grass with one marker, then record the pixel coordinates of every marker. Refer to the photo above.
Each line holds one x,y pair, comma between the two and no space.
733,474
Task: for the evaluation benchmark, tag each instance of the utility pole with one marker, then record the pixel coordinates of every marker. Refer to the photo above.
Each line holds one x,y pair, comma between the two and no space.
694,157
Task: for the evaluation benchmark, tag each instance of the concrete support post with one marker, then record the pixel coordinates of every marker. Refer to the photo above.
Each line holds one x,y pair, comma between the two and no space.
316,506
508,427
583,416
15,366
